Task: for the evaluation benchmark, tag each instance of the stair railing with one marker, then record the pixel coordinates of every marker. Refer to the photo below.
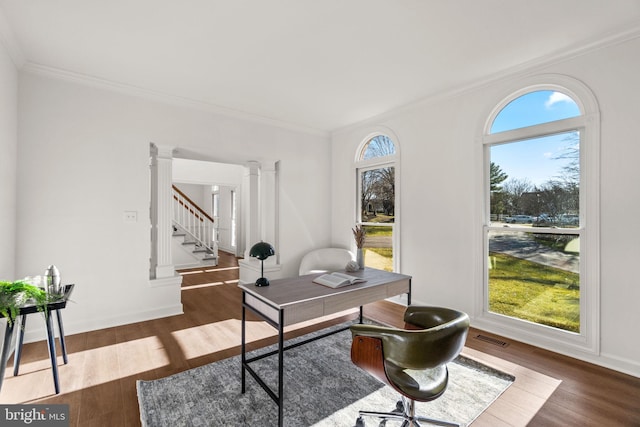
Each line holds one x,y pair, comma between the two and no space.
194,221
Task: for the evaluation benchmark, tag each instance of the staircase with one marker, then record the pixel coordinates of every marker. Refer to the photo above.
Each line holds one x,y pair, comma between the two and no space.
194,229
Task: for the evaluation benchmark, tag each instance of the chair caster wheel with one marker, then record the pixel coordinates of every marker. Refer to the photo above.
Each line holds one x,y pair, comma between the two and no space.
359,422
399,407
383,423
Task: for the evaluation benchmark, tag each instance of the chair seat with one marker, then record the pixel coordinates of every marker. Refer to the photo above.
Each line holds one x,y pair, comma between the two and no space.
422,385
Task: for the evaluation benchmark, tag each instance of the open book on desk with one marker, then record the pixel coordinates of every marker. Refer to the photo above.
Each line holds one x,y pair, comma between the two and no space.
337,280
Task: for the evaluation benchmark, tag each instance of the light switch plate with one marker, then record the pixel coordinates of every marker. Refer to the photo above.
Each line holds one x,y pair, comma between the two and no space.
130,216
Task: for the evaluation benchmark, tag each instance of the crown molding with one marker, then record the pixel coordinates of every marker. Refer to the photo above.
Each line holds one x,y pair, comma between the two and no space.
10,42
613,38
108,85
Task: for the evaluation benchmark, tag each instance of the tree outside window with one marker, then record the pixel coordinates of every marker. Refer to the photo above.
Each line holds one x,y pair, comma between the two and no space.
377,200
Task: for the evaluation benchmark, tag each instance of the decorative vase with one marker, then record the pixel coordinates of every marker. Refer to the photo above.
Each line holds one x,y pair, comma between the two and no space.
360,258
53,283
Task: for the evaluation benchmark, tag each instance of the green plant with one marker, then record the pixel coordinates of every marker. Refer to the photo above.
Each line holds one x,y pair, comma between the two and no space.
13,295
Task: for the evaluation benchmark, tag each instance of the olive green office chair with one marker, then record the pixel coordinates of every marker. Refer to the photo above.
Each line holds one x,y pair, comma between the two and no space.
433,337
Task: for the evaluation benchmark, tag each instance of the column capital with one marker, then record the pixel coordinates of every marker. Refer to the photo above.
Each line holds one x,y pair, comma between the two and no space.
252,167
268,165
164,151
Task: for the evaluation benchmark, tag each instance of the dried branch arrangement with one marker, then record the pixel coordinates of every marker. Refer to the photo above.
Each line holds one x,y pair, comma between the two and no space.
359,234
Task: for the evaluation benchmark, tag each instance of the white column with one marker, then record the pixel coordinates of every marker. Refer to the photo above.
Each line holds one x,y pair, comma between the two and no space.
164,265
260,205
153,209
251,206
269,207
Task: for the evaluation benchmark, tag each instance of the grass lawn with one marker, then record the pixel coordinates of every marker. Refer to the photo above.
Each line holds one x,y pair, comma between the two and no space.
378,230
517,288
534,292
380,258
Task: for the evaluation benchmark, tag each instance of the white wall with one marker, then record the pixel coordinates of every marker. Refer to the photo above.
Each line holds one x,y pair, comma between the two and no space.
8,157
204,172
439,204
83,157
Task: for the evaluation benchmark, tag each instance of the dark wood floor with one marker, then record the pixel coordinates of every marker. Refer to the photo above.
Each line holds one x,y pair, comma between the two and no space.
99,381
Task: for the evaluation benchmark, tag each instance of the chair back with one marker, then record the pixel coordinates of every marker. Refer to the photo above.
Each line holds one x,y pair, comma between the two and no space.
325,260
438,336
435,336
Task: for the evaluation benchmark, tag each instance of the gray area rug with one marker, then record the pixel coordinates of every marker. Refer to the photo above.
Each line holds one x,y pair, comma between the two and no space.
322,389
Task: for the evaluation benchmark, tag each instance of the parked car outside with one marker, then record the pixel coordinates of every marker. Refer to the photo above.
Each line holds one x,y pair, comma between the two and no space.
568,219
544,220
519,219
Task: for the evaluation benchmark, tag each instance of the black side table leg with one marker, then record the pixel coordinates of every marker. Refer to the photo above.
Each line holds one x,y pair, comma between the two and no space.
8,335
63,345
52,351
18,353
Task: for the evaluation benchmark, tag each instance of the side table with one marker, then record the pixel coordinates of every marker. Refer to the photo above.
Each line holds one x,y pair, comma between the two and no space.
52,307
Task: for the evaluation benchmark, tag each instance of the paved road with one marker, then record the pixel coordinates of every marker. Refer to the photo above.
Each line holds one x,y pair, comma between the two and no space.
378,242
518,244
523,246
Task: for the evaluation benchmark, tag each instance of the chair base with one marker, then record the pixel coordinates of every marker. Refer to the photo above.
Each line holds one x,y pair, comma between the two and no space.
405,411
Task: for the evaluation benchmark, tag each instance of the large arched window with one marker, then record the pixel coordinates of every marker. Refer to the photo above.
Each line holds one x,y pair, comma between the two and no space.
540,225
376,168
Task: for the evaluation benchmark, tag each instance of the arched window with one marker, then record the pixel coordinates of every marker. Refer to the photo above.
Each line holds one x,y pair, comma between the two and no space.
540,274
376,168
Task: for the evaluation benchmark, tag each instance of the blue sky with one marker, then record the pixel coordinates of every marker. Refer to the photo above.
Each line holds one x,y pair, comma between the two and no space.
535,159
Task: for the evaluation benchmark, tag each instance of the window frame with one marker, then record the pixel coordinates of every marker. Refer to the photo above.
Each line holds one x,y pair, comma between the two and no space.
589,229
360,166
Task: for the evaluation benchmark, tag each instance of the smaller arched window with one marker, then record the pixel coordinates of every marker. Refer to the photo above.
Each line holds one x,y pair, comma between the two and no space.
378,146
376,166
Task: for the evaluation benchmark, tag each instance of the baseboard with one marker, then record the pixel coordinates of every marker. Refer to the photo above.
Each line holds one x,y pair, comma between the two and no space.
39,332
602,359
626,366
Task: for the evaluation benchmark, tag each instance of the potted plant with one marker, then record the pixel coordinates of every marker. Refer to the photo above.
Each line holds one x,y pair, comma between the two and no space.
14,295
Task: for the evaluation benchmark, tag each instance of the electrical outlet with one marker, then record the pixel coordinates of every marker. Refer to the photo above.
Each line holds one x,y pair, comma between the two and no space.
130,216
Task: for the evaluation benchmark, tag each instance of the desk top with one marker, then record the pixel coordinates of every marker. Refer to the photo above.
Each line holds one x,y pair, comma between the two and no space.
295,290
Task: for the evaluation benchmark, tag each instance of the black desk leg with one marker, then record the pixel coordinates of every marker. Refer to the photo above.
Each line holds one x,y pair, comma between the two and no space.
243,350
18,353
63,345
51,339
281,369
8,334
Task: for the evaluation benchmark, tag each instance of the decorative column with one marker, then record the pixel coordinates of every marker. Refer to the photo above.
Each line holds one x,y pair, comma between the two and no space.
269,204
153,209
163,232
251,206
260,204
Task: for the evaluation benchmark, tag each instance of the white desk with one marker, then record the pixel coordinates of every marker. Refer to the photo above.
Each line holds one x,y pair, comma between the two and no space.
297,299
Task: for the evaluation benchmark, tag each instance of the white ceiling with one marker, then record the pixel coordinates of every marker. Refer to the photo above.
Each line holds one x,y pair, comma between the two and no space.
321,64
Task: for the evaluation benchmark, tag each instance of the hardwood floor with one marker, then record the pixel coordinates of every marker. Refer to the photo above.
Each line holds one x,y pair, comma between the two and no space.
99,381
